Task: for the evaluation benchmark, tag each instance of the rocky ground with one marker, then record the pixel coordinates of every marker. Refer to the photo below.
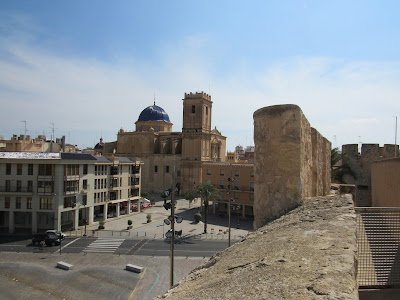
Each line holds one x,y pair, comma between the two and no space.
308,253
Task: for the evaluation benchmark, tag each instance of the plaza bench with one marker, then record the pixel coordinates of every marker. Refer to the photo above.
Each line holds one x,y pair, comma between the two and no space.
134,268
64,265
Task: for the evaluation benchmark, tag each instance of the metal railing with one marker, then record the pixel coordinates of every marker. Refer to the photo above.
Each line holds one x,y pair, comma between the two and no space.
378,240
149,235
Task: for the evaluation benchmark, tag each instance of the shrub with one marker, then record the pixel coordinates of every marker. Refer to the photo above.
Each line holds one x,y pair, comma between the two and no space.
197,217
129,222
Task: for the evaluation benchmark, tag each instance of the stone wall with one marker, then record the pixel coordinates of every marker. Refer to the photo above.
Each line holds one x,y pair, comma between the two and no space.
360,165
291,161
309,253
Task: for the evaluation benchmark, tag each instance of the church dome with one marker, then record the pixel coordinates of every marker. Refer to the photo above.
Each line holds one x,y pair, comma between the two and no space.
99,145
154,113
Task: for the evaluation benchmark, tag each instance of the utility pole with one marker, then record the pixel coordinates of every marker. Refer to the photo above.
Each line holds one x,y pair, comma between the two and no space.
396,153
229,205
172,228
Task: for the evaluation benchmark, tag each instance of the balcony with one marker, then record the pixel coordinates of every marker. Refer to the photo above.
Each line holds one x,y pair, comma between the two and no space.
16,190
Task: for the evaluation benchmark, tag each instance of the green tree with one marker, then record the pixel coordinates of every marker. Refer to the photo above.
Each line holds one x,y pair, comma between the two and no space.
190,196
338,167
207,192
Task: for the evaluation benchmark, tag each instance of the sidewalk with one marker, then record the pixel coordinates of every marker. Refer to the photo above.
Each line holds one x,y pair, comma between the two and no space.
217,227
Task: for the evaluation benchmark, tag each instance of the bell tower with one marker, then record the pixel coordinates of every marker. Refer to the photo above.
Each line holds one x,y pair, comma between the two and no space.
196,137
196,128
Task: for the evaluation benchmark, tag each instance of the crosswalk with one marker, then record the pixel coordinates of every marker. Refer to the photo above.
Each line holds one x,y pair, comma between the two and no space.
104,245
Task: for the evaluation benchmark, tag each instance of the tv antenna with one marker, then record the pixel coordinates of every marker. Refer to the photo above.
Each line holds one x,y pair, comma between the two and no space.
25,127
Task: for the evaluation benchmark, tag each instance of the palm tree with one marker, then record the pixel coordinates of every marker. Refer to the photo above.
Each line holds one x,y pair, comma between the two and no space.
206,192
338,167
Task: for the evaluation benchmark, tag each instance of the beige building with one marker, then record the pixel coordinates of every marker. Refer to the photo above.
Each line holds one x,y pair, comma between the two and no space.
25,143
40,191
385,178
240,189
165,152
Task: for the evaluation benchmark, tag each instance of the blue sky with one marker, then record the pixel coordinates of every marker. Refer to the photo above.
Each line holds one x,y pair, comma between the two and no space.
91,67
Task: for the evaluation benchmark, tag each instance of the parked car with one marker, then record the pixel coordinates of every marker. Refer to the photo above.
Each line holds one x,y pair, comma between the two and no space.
63,235
50,239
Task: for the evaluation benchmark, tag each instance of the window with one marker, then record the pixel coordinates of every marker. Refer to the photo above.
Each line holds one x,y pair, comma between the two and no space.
114,170
236,196
95,170
237,173
120,182
71,170
18,203
30,185
193,109
208,181
19,185
252,197
251,186
68,201
221,172
206,110
46,203
84,199
155,169
252,173
30,169
85,169
7,202
8,185
114,183
208,171
113,195
166,169
29,203
8,169
221,184
19,169
46,170
84,184
237,185
71,186
45,187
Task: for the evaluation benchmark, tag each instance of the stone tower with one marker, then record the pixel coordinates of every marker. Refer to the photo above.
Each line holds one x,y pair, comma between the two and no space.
196,137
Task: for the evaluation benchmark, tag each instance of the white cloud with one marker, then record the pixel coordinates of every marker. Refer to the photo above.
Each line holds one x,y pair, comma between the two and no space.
87,97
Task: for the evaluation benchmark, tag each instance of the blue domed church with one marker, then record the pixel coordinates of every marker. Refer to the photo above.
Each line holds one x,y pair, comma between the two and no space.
165,152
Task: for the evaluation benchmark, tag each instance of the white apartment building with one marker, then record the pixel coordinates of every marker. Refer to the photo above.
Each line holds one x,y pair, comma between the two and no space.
62,191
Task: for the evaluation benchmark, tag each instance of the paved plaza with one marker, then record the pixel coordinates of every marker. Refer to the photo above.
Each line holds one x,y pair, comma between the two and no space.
99,260
217,225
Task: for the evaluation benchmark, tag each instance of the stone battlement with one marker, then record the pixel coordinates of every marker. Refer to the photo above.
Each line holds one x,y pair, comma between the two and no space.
198,95
371,150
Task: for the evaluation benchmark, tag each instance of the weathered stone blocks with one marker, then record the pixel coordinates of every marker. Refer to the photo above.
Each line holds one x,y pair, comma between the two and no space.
292,161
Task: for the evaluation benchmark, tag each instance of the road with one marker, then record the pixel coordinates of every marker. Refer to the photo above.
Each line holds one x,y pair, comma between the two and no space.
98,267
121,246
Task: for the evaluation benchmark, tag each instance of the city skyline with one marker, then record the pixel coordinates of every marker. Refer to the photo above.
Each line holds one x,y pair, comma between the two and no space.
91,68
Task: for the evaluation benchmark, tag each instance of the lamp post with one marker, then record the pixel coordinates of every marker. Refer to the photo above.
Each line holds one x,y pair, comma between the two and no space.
230,179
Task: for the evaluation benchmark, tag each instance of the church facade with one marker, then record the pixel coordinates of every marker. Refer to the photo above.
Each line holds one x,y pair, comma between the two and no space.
165,153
